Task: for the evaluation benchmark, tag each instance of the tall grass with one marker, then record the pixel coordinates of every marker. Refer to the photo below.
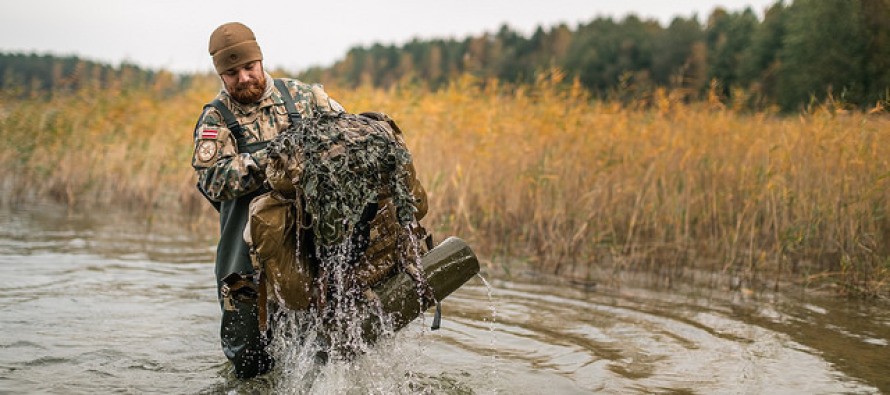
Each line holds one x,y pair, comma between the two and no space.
582,188
103,146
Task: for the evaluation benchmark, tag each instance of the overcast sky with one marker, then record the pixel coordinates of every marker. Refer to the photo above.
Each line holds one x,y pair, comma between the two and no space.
173,34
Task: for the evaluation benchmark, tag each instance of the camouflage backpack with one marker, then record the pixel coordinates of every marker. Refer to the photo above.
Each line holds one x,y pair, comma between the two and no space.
342,184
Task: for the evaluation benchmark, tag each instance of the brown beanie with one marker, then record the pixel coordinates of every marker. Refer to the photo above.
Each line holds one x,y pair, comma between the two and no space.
233,45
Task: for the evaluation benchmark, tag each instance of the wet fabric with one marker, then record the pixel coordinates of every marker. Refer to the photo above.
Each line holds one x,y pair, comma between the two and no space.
346,162
345,187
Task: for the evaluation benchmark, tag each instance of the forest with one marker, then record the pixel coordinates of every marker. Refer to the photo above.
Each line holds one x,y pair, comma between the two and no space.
797,54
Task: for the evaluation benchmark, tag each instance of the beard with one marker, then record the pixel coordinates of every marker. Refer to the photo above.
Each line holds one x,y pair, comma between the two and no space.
248,92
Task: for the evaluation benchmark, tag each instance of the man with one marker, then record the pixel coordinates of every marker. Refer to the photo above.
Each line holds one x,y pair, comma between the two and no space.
230,160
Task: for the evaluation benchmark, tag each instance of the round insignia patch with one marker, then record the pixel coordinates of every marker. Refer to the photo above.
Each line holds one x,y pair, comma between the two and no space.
206,150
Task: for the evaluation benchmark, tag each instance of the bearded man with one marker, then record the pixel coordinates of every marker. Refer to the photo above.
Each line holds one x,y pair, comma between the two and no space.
229,160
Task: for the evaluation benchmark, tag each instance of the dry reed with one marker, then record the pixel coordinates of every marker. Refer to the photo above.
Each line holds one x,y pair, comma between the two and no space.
583,188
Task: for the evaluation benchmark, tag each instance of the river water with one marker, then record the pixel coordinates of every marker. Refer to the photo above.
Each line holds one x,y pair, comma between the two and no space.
103,303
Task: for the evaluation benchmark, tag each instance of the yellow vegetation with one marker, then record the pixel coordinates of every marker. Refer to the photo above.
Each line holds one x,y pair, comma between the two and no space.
581,187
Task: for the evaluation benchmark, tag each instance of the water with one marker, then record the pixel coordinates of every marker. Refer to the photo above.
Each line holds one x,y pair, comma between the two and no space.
102,304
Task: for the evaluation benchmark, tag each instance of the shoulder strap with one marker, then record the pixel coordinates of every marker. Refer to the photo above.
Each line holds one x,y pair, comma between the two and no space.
236,128
289,105
229,119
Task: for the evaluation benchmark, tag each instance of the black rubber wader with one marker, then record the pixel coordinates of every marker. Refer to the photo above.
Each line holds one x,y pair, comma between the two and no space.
240,335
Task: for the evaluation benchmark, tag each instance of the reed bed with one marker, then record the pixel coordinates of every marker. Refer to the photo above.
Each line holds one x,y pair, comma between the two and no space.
585,189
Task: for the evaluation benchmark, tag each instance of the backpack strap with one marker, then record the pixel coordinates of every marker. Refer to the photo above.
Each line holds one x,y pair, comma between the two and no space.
233,125
289,105
229,118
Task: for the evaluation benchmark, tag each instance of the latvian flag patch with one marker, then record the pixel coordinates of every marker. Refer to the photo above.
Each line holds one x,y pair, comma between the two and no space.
209,134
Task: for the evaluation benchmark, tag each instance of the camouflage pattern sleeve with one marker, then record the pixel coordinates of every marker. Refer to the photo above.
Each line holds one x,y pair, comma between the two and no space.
323,102
222,172
312,99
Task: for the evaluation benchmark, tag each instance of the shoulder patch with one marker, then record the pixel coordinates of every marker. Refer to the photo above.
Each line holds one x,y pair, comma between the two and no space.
206,150
208,133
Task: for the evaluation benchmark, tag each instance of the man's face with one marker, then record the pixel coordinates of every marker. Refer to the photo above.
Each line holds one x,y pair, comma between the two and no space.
245,83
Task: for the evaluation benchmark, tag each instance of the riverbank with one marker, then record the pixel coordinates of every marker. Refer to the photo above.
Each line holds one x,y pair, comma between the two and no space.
578,188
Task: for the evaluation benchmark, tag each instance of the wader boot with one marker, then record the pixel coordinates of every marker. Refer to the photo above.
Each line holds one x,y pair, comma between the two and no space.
242,342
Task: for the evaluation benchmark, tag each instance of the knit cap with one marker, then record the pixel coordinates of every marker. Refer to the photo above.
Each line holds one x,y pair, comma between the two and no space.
233,45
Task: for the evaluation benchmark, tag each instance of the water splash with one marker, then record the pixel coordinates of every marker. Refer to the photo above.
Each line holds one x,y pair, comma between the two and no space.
492,373
329,350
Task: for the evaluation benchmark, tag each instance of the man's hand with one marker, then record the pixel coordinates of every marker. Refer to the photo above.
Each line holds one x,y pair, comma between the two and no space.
283,173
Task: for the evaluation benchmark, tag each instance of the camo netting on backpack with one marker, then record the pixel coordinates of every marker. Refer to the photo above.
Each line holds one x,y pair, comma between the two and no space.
342,216
345,163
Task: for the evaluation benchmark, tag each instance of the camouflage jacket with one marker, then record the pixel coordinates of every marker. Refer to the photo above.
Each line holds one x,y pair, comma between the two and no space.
223,172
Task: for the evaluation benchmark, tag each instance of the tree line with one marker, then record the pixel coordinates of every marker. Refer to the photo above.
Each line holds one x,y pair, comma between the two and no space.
796,54
24,75
809,50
